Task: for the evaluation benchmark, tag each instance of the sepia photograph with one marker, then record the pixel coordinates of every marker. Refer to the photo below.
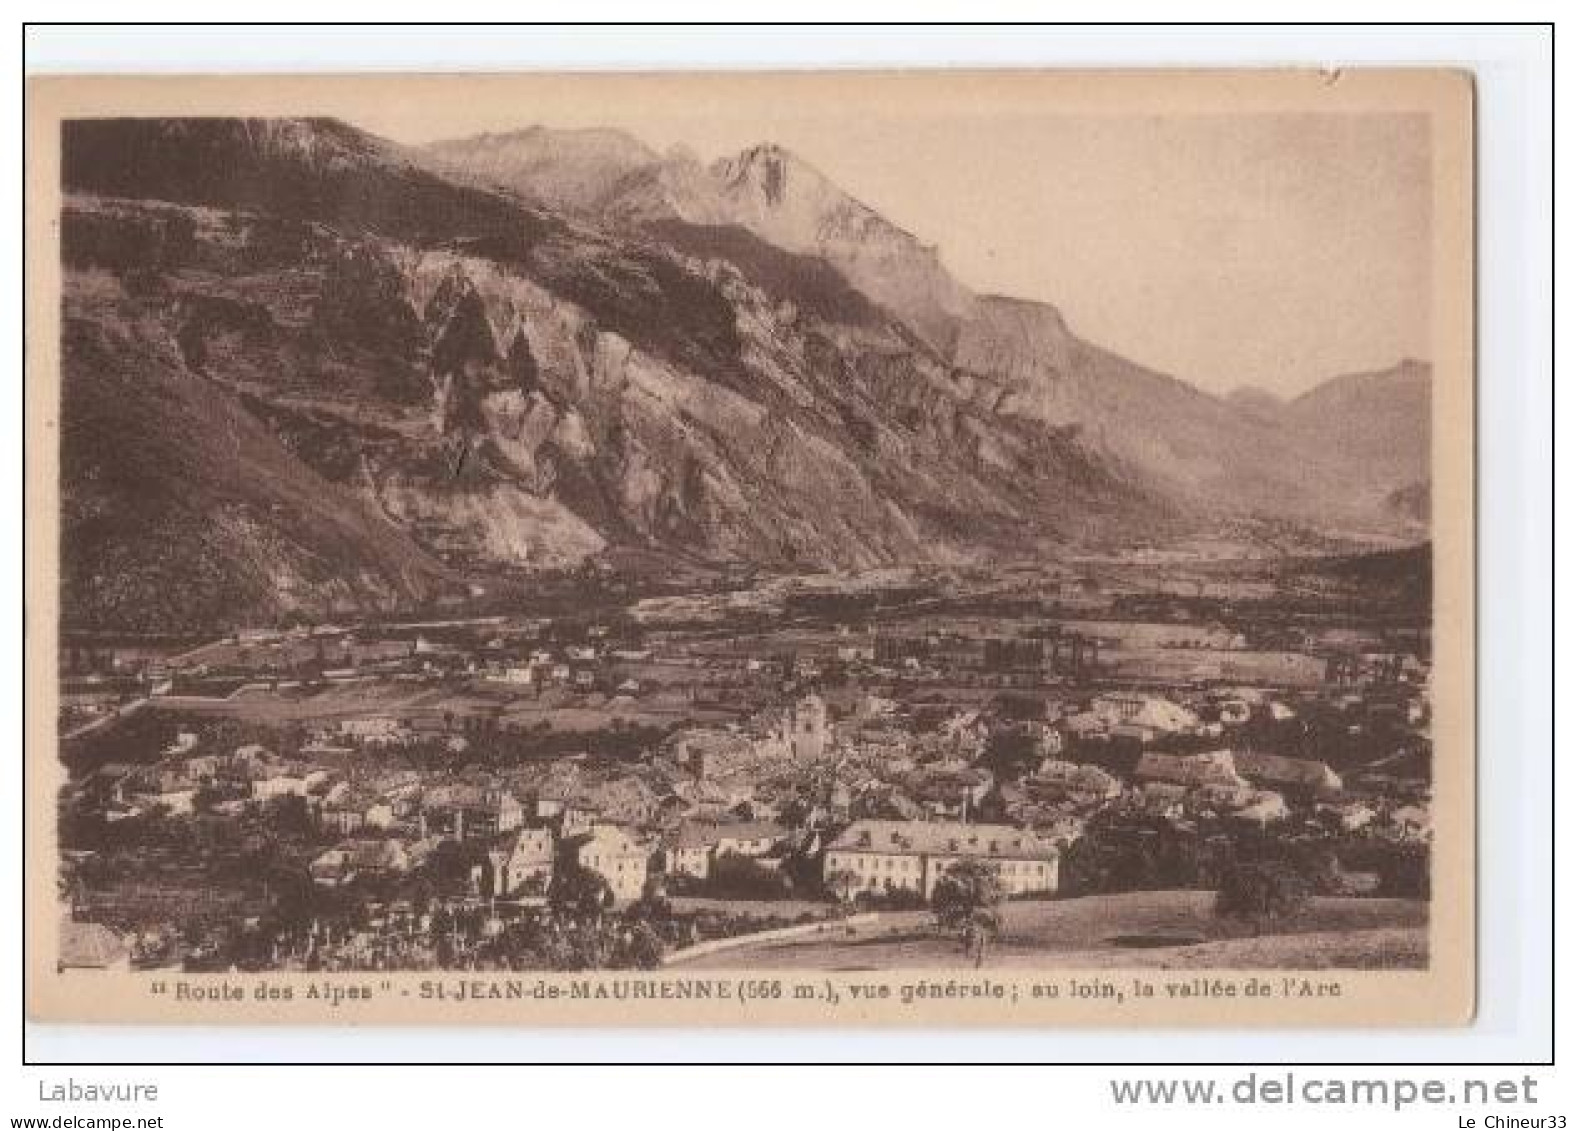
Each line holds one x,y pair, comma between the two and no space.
887,546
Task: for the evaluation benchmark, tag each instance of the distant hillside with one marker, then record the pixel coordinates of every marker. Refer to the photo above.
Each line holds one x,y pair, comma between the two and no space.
1259,402
573,171
1411,502
300,169
1398,580
1376,421
181,511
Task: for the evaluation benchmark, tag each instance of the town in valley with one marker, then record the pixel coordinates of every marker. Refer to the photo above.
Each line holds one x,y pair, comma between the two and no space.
555,551
801,760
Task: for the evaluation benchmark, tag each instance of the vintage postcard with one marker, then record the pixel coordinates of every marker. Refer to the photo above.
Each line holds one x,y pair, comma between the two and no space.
839,549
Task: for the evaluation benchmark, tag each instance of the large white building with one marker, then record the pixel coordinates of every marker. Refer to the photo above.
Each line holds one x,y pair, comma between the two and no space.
611,853
524,865
914,855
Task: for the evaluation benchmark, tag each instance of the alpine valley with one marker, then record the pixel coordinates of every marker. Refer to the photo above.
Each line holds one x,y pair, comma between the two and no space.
308,370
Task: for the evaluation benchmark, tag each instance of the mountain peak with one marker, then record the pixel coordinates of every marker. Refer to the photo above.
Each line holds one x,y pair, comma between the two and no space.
773,173
763,153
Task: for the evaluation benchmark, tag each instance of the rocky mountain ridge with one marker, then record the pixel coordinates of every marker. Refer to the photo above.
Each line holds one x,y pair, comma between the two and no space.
438,380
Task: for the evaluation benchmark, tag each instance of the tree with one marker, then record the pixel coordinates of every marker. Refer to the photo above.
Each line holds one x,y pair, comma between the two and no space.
842,885
588,946
653,906
1012,752
644,947
290,814
450,866
579,892
207,796
1404,872
297,901
735,876
967,899
1261,892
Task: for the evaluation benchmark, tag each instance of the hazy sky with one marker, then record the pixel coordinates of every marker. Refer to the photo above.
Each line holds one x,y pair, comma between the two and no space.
1271,250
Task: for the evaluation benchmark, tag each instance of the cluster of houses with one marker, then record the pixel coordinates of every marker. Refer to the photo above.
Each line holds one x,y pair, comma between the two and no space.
867,801
249,774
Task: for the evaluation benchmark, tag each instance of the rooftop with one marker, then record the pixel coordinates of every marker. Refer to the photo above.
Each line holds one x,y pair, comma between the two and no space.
942,838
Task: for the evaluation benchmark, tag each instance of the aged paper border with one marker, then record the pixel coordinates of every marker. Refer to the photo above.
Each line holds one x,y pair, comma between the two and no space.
1442,995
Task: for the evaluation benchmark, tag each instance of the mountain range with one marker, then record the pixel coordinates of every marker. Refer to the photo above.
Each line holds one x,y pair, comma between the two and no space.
308,369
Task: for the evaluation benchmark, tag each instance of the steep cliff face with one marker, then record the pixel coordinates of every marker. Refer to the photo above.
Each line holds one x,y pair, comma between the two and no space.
1017,360
831,444
771,192
498,422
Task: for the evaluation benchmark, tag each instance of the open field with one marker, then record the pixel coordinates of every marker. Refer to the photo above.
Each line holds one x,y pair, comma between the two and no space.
559,710
1165,929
